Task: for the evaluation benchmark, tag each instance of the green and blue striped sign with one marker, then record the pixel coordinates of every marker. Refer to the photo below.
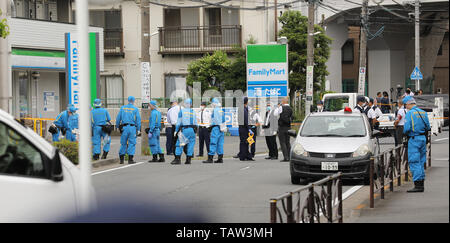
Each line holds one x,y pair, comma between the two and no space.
267,71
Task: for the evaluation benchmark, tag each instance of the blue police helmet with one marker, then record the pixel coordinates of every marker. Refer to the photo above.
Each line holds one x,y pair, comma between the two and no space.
188,101
72,109
215,101
153,102
408,100
68,106
131,99
97,103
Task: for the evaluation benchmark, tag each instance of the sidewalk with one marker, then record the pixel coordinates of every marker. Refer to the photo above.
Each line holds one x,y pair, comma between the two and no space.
432,206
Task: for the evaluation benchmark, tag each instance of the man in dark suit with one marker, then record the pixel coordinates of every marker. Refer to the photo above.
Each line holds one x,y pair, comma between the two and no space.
244,130
284,111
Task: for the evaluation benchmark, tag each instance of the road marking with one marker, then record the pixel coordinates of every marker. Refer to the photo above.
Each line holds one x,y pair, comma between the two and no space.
118,168
441,159
350,191
245,168
437,140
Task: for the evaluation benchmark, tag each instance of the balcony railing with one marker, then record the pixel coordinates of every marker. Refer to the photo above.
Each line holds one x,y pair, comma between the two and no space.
113,45
199,39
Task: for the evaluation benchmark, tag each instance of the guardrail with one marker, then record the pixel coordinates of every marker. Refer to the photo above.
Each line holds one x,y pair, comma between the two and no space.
389,166
310,208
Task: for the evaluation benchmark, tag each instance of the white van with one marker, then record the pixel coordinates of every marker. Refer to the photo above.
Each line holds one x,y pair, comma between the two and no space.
37,183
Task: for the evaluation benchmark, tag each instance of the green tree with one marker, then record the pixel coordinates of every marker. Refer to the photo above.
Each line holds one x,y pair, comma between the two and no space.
295,28
4,28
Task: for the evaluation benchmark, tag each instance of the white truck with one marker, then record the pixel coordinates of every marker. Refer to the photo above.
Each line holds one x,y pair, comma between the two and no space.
37,182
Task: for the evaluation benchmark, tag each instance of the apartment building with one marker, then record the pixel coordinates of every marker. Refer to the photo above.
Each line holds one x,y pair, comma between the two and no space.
38,82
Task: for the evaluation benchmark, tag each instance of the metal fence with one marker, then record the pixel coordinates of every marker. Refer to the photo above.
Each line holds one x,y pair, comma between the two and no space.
311,208
389,166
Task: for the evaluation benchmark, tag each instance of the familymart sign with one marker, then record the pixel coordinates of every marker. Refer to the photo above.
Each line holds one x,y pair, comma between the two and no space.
267,71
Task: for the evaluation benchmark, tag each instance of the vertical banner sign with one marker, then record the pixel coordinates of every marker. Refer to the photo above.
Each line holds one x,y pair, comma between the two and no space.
73,64
49,101
145,83
309,82
267,71
362,81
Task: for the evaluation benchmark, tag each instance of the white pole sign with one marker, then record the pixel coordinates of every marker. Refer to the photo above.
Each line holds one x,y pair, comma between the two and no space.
362,81
145,82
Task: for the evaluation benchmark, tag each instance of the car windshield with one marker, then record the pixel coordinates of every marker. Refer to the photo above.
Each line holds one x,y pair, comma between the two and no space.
335,103
333,126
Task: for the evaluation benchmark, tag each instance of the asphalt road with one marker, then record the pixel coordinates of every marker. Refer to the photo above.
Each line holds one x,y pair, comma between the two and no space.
231,192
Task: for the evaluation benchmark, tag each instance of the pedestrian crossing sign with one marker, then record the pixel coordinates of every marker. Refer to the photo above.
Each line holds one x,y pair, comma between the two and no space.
416,74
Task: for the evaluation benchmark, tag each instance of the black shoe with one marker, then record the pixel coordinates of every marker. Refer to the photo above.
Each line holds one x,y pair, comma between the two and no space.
96,156
176,161
199,155
209,160
122,158
188,160
220,159
417,187
155,158
130,159
104,155
284,160
161,158
235,157
169,153
274,158
268,157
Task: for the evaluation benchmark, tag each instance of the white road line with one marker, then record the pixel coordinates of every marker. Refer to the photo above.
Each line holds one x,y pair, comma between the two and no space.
118,168
245,168
437,140
441,159
350,192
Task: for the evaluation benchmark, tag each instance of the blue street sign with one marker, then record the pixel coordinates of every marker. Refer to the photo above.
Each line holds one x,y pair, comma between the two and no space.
416,74
267,91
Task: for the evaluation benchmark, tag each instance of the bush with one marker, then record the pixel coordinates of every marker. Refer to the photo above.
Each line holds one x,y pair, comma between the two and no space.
69,149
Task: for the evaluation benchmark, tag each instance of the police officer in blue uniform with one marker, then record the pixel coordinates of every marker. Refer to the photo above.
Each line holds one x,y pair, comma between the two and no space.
100,119
60,124
72,123
187,125
217,135
415,128
129,122
154,133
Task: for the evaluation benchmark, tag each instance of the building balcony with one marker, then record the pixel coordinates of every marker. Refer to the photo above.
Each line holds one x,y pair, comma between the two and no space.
199,39
113,42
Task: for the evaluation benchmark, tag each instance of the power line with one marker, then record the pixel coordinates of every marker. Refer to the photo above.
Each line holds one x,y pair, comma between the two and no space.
220,4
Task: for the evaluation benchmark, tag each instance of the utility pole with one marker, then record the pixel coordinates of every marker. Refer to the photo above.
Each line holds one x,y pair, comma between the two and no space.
363,50
417,38
276,21
310,58
4,62
145,67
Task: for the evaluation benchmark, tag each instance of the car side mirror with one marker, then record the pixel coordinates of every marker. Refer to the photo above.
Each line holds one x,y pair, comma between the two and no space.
56,173
292,133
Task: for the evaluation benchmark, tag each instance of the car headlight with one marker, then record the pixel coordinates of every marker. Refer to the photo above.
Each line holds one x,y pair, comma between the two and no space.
361,151
299,150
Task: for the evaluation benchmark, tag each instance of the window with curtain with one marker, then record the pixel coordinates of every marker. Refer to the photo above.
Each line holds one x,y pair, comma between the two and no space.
111,90
347,52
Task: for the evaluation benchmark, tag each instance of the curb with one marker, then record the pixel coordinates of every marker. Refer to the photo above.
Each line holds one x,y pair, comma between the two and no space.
104,162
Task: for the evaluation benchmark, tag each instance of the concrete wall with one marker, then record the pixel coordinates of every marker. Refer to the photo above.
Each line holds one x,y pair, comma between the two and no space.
379,68
339,34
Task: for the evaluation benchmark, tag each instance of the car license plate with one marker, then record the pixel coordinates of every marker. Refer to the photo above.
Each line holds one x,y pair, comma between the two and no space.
329,165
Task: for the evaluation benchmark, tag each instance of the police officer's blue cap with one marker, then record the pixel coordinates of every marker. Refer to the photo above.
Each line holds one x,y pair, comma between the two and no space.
245,100
188,101
360,98
72,109
153,102
131,98
69,105
215,101
97,103
319,102
409,100
371,100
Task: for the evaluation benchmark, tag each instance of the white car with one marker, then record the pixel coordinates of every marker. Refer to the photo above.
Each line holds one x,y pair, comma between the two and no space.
37,183
330,142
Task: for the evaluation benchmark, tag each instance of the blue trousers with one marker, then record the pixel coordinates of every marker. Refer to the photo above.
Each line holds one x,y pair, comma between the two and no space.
128,141
417,157
153,142
216,142
169,140
190,135
97,140
55,137
70,136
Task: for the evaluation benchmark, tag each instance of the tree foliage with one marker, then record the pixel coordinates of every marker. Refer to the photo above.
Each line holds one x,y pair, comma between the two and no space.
229,73
4,28
295,28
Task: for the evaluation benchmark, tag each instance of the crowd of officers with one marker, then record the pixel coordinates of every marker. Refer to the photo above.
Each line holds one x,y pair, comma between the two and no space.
411,123
181,129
